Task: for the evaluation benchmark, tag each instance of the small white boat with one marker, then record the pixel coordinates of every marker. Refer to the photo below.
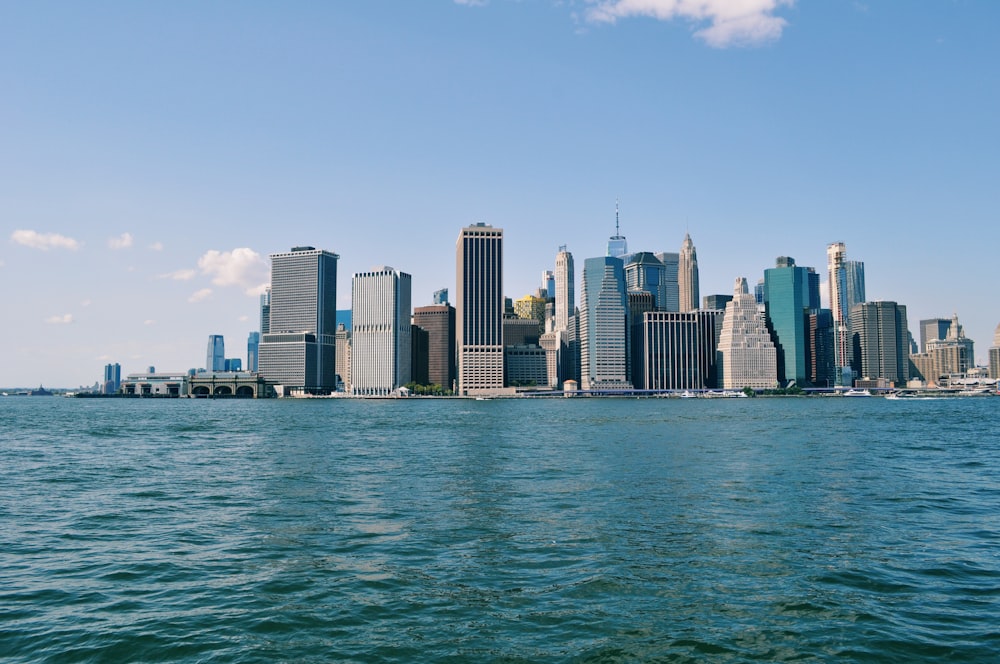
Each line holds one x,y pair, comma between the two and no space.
857,393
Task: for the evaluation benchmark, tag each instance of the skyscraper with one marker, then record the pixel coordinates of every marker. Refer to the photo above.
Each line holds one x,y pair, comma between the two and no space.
994,365
687,276
549,283
253,351
746,354
438,321
836,255
931,329
112,378
645,272
479,310
381,346
617,245
786,300
440,296
603,346
880,342
215,359
265,311
299,350
565,297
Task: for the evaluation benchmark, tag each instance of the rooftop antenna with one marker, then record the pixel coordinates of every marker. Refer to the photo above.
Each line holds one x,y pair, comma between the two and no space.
617,233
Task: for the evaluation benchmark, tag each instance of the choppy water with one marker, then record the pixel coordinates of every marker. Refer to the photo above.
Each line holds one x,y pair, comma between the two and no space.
563,530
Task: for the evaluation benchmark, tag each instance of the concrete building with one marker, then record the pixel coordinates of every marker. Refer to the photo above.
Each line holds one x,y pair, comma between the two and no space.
438,320
479,309
531,307
994,366
603,325
299,350
951,355
687,276
343,342
526,366
880,342
639,303
671,344
746,355
565,299
381,344
847,288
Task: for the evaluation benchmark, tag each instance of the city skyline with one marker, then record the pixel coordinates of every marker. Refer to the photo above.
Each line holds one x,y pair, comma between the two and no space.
146,182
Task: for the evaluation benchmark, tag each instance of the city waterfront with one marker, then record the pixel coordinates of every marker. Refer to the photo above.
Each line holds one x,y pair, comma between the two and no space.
598,530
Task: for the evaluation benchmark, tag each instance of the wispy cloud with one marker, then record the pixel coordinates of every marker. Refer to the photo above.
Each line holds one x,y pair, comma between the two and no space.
729,22
180,275
149,321
44,241
123,241
65,319
86,303
156,246
471,3
200,295
241,267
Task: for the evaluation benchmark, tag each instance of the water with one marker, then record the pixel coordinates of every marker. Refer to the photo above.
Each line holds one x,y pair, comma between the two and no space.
449,531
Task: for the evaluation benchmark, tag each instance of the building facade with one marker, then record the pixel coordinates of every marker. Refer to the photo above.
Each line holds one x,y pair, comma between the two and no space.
479,309
687,276
994,365
603,314
787,305
880,342
847,289
253,351
746,355
299,350
381,344
215,358
438,320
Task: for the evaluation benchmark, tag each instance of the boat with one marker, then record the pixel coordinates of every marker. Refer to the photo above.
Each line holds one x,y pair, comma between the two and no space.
688,395
854,392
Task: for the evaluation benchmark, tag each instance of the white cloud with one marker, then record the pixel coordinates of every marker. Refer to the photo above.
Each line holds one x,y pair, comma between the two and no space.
44,241
730,22
180,275
471,3
200,295
240,267
65,319
149,321
156,246
123,241
244,319
86,303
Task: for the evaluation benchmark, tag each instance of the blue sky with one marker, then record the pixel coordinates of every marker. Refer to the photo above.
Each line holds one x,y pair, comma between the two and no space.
154,154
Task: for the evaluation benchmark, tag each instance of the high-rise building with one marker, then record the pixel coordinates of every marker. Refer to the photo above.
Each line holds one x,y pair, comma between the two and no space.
836,254
932,329
746,354
420,347
786,301
645,272
440,296
672,347
603,312
617,245
112,378
253,351
880,342
994,366
343,364
822,372
381,344
215,359
716,302
299,350
438,321
951,355
480,308
265,311
232,364
639,303
565,297
548,284
687,276
671,269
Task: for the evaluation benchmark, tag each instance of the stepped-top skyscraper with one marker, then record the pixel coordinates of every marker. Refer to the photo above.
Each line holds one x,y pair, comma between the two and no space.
603,330
687,276
380,331
746,354
299,350
565,289
479,309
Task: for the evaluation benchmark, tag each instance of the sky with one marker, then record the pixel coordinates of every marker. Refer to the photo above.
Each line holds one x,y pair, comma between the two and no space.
153,154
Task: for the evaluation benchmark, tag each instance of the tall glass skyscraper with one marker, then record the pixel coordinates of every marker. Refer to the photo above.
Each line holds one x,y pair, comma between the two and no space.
253,351
603,331
299,350
215,359
479,309
787,302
